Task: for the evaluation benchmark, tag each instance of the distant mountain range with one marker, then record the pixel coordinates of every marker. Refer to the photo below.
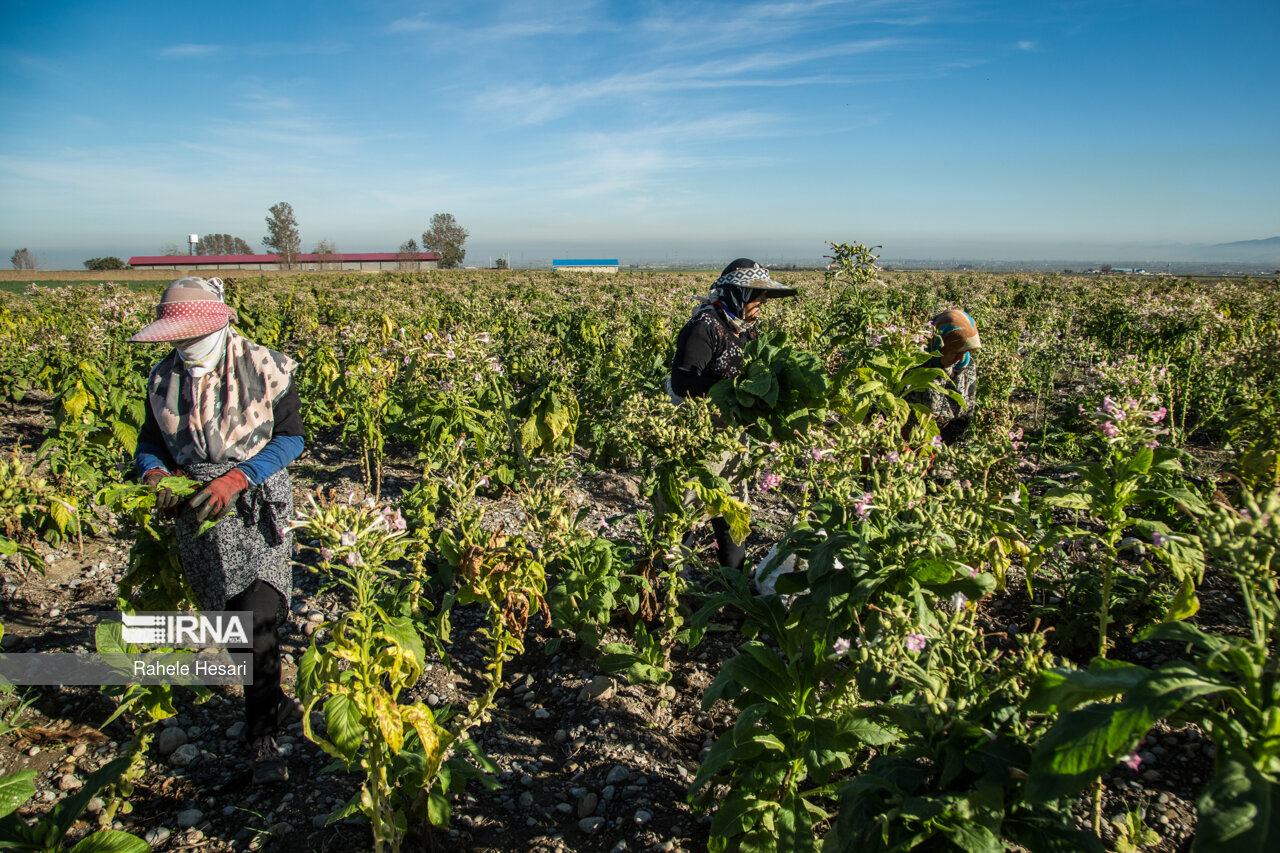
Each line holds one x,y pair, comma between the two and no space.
1253,251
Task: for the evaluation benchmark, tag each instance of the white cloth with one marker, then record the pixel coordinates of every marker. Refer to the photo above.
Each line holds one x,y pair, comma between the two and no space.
200,355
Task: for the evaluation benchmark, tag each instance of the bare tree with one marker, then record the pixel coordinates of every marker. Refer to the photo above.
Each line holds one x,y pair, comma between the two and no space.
24,260
326,253
408,255
282,234
222,244
171,249
446,236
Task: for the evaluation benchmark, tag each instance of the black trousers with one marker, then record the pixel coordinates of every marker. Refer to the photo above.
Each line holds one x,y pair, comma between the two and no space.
728,552
262,698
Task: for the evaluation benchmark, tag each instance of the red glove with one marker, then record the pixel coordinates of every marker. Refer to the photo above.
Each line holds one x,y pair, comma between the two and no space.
219,495
166,500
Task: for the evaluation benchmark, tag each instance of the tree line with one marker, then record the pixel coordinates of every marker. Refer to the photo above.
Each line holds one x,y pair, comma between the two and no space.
284,239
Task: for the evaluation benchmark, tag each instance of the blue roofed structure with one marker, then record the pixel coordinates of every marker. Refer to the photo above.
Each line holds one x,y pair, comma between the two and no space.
585,264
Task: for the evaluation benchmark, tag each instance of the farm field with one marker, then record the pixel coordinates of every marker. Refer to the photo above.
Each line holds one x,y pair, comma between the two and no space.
1054,633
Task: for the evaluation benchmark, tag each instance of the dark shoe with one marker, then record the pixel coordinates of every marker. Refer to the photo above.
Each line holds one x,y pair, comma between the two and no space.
268,762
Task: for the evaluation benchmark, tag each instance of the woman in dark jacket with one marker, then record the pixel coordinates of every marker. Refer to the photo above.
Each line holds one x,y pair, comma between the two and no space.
224,411
709,348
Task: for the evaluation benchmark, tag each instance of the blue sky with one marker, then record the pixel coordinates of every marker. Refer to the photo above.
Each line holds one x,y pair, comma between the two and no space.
644,131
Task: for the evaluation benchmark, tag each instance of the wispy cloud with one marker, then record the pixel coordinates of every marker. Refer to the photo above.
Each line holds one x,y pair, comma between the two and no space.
184,51
536,104
415,24
1026,45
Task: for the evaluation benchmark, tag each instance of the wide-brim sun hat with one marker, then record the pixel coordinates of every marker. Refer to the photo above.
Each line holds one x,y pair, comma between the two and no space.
748,274
189,308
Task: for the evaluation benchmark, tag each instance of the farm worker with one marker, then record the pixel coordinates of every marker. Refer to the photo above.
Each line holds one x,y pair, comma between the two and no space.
224,411
955,340
709,348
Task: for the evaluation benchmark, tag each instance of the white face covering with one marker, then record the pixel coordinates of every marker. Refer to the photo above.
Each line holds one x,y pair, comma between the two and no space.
200,355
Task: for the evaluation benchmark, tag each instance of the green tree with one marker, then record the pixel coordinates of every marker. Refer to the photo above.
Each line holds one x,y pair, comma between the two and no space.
501,264
222,244
23,260
283,237
111,262
446,237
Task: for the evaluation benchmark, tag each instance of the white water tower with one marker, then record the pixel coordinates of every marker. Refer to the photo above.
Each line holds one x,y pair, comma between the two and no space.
193,239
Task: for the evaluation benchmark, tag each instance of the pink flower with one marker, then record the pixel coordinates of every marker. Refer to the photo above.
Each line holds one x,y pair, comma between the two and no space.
1158,539
347,539
818,453
916,642
1133,761
1158,415
841,646
482,482
936,441
892,456
769,481
1153,444
326,554
863,506
1015,434
352,558
1110,430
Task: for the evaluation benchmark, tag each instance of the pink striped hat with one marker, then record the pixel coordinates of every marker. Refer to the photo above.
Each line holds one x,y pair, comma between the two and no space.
190,308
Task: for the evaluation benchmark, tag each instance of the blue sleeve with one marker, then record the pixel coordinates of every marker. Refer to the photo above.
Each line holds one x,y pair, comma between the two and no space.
149,455
277,453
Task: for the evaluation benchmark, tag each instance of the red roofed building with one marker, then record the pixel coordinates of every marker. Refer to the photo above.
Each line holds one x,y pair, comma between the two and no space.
360,261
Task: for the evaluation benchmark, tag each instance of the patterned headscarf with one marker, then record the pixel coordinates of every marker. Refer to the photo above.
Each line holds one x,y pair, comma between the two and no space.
956,336
225,415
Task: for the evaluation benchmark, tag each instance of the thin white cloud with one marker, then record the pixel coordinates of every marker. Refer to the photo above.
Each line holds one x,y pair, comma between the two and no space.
416,24
184,51
1026,45
537,104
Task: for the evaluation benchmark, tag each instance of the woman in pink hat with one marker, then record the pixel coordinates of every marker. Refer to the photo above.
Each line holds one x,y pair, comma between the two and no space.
224,411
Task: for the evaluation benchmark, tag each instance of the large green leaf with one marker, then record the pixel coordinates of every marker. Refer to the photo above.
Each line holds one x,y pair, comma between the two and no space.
1239,810
111,841
1085,743
343,724
15,790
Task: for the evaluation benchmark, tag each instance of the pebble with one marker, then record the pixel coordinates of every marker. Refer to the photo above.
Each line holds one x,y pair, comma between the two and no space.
564,808
526,800
587,804
79,750
235,730
542,714
185,755
320,821
608,792
33,751
590,825
69,782
561,736
169,740
282,828
188,818
617,775
643,816
95,805
156,836
600,687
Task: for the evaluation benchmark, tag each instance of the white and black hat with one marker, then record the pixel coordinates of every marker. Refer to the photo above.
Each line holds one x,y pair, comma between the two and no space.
748,275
